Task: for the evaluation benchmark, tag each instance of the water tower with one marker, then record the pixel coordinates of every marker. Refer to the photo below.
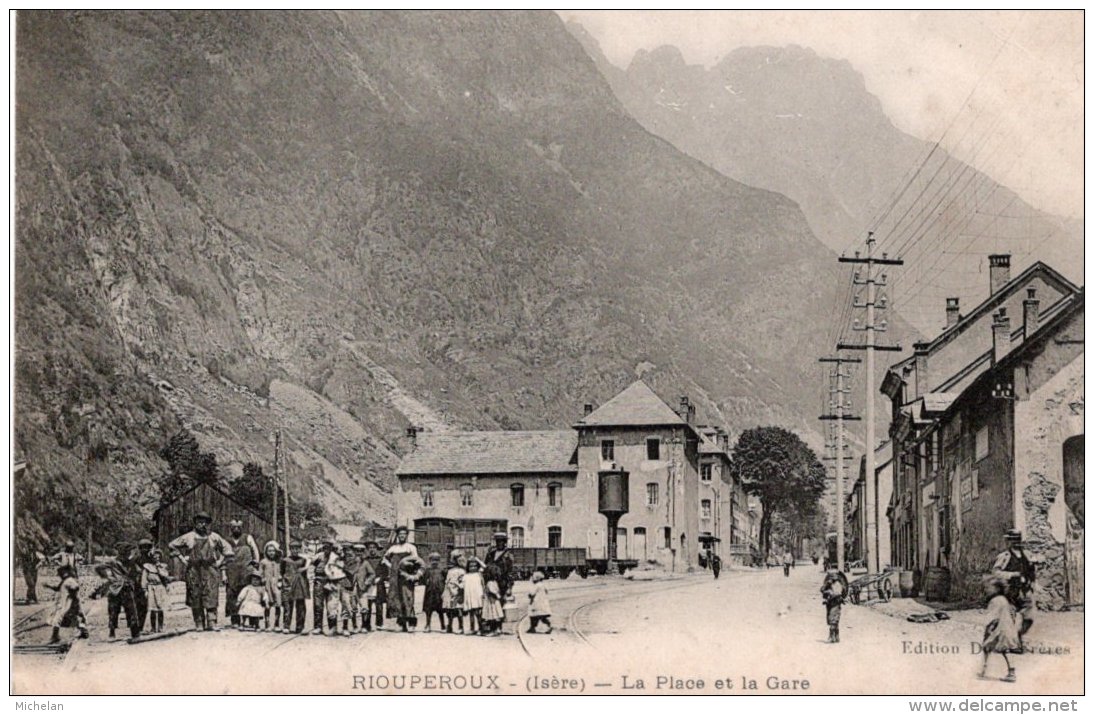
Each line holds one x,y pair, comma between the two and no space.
614,502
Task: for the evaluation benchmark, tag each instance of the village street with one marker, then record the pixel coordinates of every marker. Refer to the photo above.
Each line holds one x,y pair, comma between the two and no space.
749,628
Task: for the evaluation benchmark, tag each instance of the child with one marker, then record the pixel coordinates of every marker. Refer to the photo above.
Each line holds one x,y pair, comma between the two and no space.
833,592
473,596
539,605
1001,633
154,580
376,597
118,588
493,611
295,593
335,581
364,578
252,603
452,598
66,606
347,595
270,568
433,602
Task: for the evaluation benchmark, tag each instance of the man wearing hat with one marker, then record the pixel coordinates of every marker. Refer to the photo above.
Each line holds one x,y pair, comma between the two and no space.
203,551
319,564
501,558
237,569
1019,572
137,559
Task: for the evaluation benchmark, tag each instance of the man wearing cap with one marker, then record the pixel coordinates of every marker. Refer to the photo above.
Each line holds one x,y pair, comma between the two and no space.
238,567
502,559
1019,572
376,596
137,559
405,568
325,556
203,551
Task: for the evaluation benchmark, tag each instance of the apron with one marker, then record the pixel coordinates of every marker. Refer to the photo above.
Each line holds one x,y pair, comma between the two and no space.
202,575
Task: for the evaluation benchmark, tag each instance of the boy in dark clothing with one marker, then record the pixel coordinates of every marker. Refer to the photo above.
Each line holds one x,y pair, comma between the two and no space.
119,589
364,577
377,595
433,579
294,597
833,592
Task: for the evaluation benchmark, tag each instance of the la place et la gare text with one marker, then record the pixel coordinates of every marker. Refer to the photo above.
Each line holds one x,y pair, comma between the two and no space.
384,682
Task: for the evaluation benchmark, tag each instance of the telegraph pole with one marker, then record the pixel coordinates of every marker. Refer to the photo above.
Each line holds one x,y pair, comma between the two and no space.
837,405
276,480
874,302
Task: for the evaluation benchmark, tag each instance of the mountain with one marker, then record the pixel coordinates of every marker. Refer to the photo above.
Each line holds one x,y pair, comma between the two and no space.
339,224
787,119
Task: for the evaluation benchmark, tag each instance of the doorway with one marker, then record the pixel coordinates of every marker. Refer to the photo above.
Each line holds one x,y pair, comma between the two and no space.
640,543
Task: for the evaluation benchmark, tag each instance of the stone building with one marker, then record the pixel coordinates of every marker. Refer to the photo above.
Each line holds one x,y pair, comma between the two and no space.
541,487
987,435
723,502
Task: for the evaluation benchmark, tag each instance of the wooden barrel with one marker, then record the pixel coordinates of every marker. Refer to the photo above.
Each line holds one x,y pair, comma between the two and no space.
936,586
907,584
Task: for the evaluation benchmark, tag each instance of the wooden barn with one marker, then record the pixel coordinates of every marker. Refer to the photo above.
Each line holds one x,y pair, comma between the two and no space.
177,517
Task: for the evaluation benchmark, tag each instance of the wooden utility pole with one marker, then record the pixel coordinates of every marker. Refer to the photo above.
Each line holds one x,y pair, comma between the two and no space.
874,302
276,480
837,405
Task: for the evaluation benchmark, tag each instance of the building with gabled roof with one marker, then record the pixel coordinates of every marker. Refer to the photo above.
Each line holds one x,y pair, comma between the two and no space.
541,487
987,436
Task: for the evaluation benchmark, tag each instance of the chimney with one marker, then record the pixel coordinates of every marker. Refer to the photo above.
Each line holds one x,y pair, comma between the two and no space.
998,271
953,312
1031,312
683,411
1000,335
922,383
412,435
588,408
691,414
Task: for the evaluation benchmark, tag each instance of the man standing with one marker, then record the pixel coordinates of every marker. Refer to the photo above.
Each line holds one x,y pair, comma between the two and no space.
405,567
137,559
500,556
376,597
1019,572
120,591
30,559
238,567
203,551
325,556
788,561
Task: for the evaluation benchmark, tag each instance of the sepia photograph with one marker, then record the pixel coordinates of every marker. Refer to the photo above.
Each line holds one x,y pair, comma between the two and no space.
362,352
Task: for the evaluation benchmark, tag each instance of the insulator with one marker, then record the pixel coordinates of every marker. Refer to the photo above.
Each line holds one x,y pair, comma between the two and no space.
883,279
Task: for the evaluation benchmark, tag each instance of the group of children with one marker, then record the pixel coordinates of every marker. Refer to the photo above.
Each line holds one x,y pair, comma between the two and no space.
348,587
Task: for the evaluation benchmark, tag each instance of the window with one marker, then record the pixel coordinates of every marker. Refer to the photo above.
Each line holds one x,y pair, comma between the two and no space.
982,446
651,494
516,494
704,508
653,448
467,495
607,450
516,537
427,495
554,537
668,537
554,494
705,471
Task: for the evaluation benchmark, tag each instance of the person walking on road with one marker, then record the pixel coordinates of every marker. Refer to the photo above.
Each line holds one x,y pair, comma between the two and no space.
1019,573
1001,633
203,552
833,592
788,561
66,606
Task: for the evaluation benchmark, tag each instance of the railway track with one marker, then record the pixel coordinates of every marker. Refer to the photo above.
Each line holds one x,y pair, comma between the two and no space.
577,618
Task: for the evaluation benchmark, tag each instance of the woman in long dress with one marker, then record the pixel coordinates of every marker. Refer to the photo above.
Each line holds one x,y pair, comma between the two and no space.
1001,633
406,569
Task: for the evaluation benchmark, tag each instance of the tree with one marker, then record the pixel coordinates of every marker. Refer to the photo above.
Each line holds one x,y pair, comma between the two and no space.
783,471
187,465
253,489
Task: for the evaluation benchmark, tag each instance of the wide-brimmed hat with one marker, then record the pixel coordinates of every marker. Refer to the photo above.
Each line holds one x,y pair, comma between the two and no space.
144,542
202,516
372,542
271,542
359,546
501,535
1013,535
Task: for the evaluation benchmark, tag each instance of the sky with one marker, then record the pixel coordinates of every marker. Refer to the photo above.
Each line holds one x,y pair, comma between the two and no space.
1011,81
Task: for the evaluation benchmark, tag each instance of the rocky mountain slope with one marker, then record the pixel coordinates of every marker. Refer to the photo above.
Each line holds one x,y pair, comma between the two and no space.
786,119
339,224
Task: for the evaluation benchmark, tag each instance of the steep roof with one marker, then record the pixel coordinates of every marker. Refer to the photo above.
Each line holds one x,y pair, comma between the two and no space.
491,453
638,405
